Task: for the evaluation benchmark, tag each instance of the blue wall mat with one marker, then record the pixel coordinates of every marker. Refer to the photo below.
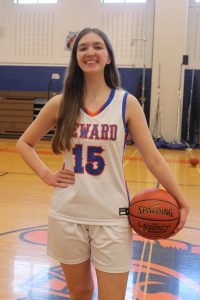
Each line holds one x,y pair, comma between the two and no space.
131,80
29,78
195,107
37,78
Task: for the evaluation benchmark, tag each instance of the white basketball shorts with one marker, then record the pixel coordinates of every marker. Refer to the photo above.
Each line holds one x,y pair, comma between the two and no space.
108,247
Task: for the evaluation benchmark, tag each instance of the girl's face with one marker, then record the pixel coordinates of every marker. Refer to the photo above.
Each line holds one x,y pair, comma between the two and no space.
92,54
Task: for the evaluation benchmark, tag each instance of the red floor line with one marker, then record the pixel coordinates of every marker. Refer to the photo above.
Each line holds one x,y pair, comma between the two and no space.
183,161
49,152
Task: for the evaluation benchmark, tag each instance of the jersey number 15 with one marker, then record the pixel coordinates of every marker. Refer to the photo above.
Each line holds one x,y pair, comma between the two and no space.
94,162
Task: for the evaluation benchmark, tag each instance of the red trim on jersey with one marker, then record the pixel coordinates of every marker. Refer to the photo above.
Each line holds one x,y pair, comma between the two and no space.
106,103
92,114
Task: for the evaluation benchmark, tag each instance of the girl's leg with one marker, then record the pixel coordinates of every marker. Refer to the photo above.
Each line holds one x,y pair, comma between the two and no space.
111,286
79,280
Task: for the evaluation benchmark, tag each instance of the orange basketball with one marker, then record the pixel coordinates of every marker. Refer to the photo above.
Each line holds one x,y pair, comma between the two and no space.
194,161
154,213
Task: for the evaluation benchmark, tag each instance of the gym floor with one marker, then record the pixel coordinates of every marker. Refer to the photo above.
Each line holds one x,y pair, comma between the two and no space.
163,269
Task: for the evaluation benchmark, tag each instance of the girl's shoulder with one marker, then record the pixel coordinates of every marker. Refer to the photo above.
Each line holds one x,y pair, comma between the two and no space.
130,99
56,100
51,108
121,91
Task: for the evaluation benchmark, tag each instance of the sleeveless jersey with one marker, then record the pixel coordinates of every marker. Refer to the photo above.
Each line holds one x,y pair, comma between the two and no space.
99,195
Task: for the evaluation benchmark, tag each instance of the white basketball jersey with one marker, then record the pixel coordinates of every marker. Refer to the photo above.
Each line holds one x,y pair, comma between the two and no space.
99,194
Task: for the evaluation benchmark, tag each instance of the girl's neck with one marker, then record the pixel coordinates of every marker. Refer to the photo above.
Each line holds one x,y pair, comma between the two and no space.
94,87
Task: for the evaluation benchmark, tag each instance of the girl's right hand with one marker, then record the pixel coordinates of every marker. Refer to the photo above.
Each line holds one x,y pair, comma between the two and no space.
62,178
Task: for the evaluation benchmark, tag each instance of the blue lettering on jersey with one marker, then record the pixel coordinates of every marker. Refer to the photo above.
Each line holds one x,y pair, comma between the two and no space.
113,132
84,130
78,154
90,159
104,132
94,133
95,162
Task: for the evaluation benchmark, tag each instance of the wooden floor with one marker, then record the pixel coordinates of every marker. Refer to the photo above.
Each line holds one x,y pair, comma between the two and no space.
165,269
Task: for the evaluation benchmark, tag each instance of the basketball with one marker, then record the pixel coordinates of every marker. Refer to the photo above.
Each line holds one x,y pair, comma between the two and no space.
194,161
153,213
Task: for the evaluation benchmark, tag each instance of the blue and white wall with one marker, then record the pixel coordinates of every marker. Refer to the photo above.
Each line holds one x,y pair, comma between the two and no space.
35,34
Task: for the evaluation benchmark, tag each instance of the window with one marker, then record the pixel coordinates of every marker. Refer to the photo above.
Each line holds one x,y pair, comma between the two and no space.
112,1
135,1
34,1
124,1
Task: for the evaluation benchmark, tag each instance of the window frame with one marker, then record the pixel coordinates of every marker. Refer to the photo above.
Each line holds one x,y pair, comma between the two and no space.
124,1
35,2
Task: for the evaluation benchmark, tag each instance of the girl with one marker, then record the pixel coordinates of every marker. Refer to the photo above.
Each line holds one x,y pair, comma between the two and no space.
86,218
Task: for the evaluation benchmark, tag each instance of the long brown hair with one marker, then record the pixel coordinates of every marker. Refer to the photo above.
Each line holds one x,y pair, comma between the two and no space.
73,92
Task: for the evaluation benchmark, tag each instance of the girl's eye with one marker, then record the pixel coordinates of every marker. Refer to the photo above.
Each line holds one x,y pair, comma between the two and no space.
98,47
82,49
95,47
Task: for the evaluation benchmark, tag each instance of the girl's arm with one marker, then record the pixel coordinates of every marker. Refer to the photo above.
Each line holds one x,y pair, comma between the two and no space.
45,121
154,161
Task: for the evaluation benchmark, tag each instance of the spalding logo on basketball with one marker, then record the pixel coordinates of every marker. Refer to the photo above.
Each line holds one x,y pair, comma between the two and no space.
154,213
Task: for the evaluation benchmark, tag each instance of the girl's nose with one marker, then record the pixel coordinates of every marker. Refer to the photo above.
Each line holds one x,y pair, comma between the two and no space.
90,51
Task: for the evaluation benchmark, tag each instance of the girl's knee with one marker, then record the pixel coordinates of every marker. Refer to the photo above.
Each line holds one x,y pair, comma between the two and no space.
83,293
